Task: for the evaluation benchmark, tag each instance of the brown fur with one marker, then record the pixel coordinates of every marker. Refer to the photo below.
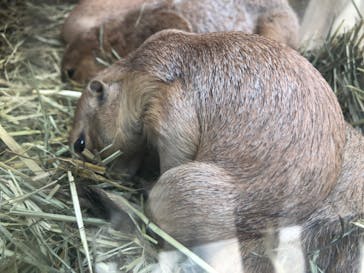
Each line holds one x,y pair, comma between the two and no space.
273,19
249,137
92,13
328,232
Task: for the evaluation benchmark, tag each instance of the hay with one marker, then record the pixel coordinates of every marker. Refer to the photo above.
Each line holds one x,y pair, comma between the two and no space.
341,61
39,230
38,224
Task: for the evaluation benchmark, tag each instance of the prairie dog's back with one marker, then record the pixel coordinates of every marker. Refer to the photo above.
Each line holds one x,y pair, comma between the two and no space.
212,16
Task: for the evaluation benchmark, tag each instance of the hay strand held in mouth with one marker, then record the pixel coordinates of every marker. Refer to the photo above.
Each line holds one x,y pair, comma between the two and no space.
111,157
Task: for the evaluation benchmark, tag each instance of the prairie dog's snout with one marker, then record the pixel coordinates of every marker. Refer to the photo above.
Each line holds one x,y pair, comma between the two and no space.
80,138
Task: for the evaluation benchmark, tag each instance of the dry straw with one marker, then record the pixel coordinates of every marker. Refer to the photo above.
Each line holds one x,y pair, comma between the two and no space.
39,229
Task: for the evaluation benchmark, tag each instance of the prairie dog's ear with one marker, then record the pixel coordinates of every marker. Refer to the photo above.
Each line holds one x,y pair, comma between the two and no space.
97,88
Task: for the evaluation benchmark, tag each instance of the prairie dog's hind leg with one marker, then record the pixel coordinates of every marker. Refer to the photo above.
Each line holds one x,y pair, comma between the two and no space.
195,203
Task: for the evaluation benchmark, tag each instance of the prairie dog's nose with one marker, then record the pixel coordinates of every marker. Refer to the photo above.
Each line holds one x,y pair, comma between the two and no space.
80,144
70,72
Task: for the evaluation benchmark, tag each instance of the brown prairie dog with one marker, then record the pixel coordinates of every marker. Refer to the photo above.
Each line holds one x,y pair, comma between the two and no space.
251,124
126,32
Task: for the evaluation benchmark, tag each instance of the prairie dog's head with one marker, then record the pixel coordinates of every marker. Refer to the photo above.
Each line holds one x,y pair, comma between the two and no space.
91,52
108,119
117,38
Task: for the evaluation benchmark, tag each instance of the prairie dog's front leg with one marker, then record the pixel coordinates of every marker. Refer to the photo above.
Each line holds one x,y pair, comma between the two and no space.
173,127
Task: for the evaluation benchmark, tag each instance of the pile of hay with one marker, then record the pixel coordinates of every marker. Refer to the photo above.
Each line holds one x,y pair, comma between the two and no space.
341,61
39,229
40,225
